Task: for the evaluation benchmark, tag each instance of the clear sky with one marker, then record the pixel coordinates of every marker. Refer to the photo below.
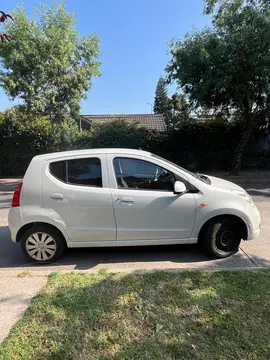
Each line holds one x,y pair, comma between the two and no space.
134,42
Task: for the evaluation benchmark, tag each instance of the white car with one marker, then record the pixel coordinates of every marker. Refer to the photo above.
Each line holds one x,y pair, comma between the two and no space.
125,197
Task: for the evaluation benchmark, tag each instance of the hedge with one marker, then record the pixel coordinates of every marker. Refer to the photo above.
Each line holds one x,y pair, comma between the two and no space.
197,146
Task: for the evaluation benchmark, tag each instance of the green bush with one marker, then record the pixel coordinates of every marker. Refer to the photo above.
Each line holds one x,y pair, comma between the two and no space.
209,145
196,146
24,135
119,134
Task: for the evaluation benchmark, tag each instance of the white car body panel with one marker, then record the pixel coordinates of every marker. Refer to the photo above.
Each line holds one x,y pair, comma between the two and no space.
109,216
150,215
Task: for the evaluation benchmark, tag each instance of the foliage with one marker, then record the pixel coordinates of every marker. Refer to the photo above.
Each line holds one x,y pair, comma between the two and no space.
123,134
210,145
175,109
24,135
161,102
227,67
47,65
156,315
210,5
195,145
178,111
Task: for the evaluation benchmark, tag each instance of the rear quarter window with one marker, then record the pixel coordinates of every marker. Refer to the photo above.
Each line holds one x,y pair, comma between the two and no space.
58,170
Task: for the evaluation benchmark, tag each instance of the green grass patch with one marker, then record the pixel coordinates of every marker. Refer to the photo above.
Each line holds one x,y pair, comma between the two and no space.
163,316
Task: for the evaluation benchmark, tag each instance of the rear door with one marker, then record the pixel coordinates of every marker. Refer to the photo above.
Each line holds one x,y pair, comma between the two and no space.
75,192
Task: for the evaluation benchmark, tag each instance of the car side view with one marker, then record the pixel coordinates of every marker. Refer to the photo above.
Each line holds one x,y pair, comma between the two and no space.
125,197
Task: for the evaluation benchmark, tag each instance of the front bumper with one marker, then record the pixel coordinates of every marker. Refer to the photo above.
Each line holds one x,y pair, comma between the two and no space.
253,220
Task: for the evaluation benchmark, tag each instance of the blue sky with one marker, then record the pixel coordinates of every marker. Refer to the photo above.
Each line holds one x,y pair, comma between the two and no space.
134,42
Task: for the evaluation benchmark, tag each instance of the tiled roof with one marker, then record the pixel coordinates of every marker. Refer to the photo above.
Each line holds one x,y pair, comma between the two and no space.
151,121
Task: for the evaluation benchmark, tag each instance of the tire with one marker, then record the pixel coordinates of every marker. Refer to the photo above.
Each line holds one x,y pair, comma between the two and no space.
221,238
47,242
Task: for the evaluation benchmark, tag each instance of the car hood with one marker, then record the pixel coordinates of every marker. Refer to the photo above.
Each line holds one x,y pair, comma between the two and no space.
221,183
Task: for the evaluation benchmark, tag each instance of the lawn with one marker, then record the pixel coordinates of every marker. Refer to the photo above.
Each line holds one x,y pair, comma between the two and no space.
163,316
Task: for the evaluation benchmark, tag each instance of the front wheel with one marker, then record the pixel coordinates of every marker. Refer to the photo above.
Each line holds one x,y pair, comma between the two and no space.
221,238
42,244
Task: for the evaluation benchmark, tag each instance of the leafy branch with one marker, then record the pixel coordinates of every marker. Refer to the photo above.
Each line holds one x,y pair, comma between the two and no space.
3,18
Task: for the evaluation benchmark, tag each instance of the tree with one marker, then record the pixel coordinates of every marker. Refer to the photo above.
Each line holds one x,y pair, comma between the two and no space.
227,67
47,65
210,5
178,111
161,97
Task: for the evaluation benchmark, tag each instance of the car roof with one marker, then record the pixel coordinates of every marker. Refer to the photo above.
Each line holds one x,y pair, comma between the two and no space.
83,152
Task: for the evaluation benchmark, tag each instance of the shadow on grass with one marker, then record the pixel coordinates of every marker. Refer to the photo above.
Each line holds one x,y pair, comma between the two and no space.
191,315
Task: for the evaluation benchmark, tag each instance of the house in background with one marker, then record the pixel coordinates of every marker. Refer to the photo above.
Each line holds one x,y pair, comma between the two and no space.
151,121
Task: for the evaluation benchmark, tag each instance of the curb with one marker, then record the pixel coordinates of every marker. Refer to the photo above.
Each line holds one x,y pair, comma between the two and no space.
45,273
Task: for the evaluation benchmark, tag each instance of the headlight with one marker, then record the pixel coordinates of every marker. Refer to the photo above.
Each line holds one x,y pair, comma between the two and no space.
243,194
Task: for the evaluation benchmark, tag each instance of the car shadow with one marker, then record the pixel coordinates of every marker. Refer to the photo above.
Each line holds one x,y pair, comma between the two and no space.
120,258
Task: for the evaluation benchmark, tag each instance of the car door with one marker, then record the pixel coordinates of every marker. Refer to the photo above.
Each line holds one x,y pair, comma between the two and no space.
75,192
145,205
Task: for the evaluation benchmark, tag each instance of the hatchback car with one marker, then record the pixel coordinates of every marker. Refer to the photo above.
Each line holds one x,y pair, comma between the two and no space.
125,197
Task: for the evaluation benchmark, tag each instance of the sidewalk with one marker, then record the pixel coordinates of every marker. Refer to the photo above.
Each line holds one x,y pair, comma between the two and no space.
16,293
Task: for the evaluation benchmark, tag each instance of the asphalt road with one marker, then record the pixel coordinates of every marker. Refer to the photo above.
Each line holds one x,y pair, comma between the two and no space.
254,253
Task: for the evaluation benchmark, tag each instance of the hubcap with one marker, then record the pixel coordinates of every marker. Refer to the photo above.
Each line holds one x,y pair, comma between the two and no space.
41,246
225,239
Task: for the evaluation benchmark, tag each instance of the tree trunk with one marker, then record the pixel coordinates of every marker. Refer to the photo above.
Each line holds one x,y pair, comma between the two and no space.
239,152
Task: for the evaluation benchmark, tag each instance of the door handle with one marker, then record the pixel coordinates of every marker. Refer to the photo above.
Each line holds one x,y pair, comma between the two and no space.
57,196
126,199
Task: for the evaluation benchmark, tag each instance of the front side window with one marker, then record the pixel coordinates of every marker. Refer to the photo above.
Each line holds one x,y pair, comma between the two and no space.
143,175
86,172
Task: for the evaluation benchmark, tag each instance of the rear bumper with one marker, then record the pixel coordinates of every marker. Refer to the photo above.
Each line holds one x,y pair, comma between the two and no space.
15,222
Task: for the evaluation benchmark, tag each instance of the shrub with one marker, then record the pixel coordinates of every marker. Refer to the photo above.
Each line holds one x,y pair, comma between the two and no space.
196,146
121,134
207,146
24,135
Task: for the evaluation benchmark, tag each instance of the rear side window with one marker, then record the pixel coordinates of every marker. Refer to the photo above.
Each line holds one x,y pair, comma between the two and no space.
83,172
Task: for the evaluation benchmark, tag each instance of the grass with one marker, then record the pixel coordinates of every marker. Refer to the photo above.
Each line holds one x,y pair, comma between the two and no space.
163,316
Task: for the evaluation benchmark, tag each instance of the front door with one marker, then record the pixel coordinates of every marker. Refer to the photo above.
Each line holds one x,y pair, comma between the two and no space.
145,205
76,194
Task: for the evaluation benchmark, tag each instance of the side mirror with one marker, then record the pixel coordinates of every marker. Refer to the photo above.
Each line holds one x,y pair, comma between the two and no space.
179,187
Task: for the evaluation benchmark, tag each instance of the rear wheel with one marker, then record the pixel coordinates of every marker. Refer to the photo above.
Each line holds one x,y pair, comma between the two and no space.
221,237
42,244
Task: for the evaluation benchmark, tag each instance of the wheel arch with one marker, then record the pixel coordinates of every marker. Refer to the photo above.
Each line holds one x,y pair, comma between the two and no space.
28,226
243,228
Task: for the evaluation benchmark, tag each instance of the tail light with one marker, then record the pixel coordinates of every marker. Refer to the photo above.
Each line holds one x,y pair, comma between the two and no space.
16,196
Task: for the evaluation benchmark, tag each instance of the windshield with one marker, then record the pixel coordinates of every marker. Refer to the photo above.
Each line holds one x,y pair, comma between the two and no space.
198,176
173,164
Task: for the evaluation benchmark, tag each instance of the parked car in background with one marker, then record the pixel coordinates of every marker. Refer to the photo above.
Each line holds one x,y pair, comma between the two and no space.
125,197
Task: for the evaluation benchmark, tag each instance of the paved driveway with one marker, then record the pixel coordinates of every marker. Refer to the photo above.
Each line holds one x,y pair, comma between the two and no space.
252,254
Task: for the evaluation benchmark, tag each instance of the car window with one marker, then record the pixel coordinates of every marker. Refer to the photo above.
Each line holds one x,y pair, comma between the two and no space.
86,172
143,175
58,169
